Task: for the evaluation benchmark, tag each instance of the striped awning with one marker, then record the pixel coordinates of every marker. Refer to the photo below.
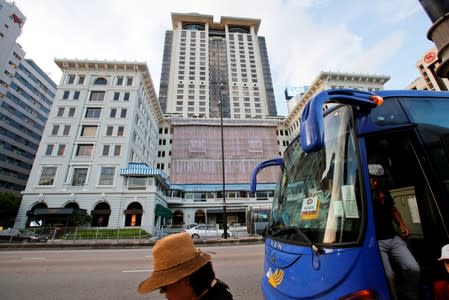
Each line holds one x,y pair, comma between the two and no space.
141,169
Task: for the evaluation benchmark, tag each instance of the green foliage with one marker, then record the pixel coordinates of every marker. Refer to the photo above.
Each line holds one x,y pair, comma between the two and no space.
101,234
9,204
80,217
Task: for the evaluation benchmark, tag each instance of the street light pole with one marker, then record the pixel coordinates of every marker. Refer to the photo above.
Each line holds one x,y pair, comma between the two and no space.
225,221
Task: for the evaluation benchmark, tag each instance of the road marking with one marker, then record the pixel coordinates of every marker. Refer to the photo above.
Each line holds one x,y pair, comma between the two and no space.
35,258
136,271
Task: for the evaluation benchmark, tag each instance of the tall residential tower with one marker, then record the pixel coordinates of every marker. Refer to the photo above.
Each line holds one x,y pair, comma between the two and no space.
207,63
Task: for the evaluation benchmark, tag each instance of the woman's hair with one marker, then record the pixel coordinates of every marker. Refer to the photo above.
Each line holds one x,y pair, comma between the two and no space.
201,279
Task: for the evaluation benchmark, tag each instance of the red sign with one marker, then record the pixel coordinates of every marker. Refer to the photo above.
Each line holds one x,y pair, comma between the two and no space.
429,57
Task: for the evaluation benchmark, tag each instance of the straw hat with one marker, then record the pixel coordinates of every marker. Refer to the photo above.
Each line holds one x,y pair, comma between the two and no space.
174,257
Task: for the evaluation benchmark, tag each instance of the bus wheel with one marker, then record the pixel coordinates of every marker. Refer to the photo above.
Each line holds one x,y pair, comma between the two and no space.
195,236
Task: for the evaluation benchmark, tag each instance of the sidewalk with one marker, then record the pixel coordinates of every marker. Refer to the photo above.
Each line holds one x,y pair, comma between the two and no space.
121,243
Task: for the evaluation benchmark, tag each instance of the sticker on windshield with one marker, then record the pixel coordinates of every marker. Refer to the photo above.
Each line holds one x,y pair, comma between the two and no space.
310,208
349,202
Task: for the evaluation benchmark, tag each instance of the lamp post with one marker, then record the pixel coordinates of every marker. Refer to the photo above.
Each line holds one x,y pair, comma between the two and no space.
225,221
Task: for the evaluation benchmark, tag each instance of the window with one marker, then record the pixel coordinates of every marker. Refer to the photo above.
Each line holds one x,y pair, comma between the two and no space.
93,113
71,79
97,96
113,112
76,95
49,150
117,150
116,96
47,176
81,79
55,130
120,80
120,130
129,81
137,183
107,176
109,130
66,130
123,113
66,94
126,97
106,150
61,149
89,131
71,112
79,176
84,150
100,81
60,112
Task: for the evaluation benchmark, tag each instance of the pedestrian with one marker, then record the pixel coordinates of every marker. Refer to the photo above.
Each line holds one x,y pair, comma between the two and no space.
183,272
441,287
390,244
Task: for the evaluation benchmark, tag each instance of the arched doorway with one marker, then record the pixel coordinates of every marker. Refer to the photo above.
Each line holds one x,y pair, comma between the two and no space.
178,218
133,214
100,215
34,221
200,217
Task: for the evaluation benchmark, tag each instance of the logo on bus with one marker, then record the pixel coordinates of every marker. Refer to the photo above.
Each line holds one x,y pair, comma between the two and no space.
275,278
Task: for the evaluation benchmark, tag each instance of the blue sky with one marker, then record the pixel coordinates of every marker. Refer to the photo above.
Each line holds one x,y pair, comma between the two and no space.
304,37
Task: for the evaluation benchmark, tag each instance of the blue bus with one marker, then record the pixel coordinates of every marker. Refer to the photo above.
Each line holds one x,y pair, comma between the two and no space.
321,241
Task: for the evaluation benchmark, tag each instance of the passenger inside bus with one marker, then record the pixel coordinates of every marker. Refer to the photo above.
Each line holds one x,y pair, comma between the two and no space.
390,244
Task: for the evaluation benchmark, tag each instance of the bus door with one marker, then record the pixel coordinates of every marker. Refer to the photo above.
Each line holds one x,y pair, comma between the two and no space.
410,182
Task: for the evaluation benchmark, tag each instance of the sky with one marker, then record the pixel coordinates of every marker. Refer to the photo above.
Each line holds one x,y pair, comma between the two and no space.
303,37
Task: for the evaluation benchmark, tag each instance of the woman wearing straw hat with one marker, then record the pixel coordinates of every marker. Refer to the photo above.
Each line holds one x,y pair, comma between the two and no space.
181,271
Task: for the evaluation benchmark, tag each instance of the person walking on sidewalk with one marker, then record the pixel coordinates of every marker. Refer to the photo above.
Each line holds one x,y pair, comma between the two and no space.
183,272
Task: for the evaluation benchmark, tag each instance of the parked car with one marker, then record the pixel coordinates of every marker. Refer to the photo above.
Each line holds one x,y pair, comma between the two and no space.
203,231
21,235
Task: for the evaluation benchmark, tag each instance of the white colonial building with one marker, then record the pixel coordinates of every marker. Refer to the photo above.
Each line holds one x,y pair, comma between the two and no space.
105,116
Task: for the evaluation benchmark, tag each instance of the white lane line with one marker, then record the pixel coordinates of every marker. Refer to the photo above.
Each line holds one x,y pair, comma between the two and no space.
136,271
33,258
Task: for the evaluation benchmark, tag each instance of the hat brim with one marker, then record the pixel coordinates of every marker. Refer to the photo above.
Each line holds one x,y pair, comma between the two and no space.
165,277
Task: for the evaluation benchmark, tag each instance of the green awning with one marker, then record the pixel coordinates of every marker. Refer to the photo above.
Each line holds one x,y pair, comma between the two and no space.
163,212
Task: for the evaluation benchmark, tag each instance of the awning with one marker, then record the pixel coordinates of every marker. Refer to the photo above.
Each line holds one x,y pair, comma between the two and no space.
52,211
163,212
100,212
228,210
141,169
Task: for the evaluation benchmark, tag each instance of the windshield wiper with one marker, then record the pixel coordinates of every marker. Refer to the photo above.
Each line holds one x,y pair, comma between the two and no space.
292,229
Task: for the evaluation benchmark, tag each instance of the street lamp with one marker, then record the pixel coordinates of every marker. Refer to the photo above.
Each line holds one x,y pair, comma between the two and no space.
225,222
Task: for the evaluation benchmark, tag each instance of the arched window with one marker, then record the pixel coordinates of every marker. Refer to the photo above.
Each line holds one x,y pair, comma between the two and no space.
178,218
133,214
72,205
100,215
100,81
35,221
200,217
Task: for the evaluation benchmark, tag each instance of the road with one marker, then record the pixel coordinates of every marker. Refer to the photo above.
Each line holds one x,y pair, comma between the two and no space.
114,273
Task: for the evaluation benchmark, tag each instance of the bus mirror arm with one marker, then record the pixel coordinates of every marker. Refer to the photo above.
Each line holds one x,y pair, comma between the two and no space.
278,161
312,122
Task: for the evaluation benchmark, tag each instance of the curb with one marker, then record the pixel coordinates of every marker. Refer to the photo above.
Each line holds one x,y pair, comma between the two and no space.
111,244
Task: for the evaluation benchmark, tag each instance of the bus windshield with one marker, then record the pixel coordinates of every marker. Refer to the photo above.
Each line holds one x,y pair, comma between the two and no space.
318,197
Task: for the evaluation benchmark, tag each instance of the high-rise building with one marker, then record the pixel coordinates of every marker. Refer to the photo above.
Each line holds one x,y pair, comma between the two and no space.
207,64
427,66
26,97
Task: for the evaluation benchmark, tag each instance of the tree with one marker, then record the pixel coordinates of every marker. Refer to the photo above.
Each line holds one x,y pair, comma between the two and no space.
80,217
9,206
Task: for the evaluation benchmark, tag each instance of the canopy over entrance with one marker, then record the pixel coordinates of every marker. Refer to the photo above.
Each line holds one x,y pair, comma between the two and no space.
163,212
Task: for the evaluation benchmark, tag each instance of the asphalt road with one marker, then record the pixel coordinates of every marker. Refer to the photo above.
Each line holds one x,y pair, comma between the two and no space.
114,273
